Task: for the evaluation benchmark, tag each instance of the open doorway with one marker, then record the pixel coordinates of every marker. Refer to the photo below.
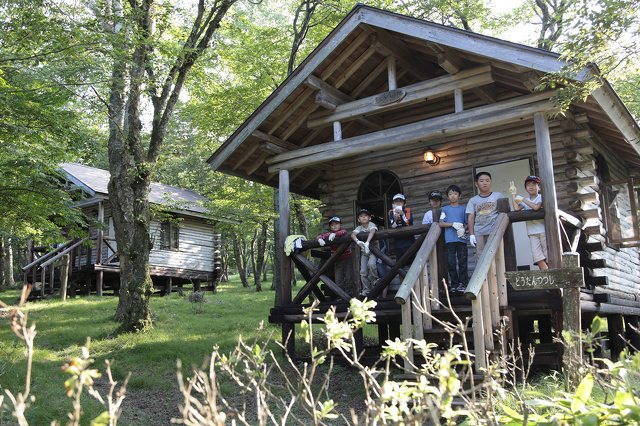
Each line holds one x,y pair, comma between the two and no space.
502,174
375,194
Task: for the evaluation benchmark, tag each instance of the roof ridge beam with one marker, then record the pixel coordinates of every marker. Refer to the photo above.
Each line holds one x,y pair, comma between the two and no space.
450,124
414,93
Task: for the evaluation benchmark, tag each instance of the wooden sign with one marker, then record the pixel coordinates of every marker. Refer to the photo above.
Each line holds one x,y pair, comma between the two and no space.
389,97
547,279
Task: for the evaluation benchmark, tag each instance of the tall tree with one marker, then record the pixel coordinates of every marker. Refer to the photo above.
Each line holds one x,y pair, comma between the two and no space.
151,64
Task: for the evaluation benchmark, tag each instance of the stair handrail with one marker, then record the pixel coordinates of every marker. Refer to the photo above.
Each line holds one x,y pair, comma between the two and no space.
46,256
63,252
488,253
420,261
487,278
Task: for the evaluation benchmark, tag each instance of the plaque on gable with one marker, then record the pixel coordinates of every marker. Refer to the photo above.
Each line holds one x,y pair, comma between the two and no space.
389,97
547,279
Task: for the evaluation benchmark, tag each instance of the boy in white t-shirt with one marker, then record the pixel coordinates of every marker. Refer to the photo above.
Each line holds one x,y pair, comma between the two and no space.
535,228
368,262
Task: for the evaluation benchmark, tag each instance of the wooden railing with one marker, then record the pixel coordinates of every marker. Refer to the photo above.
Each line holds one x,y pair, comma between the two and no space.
487,290
314,275
419,292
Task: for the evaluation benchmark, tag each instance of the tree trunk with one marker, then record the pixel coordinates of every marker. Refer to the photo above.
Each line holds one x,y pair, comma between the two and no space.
224,255
258,254
241,259
299,215
131,160
8,264
3,279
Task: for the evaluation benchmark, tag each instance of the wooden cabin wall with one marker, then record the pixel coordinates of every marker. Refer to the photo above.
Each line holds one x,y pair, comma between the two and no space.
615,265
195,246
459,155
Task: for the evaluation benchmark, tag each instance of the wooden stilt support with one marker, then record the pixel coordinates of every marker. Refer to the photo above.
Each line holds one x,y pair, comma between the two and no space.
616,335
64,276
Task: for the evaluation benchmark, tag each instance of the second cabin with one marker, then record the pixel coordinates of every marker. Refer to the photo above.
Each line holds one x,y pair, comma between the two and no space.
391,104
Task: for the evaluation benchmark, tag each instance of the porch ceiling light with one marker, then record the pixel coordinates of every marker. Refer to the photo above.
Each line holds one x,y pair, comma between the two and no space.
430,157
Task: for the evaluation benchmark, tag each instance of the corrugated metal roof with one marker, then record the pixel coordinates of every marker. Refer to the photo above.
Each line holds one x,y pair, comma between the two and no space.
95,181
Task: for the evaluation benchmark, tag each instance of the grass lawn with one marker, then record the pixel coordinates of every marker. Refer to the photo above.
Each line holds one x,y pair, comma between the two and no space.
153,395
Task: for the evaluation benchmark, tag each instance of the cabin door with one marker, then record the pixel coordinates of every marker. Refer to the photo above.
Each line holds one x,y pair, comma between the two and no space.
502,174
375,194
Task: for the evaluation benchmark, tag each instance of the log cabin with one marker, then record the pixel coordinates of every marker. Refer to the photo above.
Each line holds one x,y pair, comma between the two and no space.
185,244
393,104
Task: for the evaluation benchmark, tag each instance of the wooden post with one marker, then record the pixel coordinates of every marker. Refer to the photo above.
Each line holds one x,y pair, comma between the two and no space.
427,321
616,335
632,327
478,332
52,276
458,100
168,286
548,186
64,276
486,316
391,72
406,335
337,131
502,280
571,322
494,298
43,279
99,242
288,329
508,240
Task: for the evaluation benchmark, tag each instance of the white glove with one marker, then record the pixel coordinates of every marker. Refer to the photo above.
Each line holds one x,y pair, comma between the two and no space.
472,240
366,248
321,242
332,236
512,188
443,216
518,199
360,244
459,227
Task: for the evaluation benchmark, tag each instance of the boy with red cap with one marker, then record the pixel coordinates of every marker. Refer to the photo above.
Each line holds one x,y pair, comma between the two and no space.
342,266
535,228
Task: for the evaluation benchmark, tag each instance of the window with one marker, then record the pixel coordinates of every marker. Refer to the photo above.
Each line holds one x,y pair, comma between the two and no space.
169,236
621,211
375,194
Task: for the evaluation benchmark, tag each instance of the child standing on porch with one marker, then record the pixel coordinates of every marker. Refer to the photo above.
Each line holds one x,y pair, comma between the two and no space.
483,211
535,228
454,220
342,269
435,201
399,217
368,262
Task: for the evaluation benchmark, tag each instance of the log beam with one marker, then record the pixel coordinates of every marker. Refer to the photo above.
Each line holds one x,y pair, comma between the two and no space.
450,124
414,93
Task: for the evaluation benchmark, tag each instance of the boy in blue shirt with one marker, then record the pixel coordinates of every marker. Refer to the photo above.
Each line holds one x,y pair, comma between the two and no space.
454,221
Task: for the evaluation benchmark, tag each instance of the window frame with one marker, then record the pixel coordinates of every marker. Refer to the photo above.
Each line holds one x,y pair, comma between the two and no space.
172,230
633,197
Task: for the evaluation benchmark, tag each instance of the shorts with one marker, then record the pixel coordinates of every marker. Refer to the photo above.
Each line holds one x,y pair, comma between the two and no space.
538,247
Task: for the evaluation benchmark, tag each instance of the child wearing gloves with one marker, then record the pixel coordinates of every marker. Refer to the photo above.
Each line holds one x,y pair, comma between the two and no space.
454,220
535,228
483,212
342,268
368,262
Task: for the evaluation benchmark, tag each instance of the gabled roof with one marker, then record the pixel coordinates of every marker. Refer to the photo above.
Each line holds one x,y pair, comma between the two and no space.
94,182
352,59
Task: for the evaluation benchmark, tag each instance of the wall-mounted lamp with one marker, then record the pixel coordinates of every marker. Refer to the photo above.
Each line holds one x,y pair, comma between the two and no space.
430,157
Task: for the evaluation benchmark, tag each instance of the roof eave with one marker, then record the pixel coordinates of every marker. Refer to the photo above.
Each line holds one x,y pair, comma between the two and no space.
295,79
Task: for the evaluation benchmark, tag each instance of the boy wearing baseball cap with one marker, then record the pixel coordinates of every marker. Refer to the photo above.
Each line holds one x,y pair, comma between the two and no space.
535,228
435,201
342,266
368,262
